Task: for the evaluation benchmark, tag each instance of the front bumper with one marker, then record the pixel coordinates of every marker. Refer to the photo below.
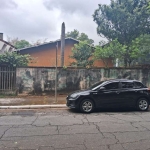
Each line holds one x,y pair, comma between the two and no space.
71,103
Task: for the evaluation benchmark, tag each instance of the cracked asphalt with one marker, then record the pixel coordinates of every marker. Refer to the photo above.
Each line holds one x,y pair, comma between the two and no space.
65,129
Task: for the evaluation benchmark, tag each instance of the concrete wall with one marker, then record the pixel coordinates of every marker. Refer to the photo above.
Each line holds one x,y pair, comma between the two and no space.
39,80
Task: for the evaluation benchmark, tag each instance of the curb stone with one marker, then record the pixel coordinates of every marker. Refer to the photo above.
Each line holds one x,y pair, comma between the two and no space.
34,106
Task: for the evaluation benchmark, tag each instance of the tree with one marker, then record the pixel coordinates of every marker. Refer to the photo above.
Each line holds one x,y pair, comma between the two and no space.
12,41
112,50
18,43
84,37
124,20
74,34
15,60
138,51
82,53
141,49
22,44
79,36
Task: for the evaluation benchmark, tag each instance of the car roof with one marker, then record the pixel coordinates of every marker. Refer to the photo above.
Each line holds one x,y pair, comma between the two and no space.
121,80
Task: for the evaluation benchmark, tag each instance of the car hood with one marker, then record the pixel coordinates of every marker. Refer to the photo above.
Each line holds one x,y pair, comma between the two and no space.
81,92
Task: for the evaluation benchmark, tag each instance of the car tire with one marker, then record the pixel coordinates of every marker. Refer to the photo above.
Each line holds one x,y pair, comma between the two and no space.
87,106
143,104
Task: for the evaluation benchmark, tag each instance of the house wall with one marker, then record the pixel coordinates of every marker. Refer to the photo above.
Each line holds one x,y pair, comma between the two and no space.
45,56
43,79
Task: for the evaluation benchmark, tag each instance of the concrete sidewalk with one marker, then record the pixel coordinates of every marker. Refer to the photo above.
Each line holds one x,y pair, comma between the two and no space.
32,102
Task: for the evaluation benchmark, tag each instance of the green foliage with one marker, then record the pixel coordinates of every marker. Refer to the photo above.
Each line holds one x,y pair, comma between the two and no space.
81,37
74,34
112,50
14,59
82,53
141,49
137,51
124,20
84,37
22,44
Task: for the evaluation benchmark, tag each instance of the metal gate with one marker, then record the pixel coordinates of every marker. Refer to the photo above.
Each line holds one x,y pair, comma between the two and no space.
7,79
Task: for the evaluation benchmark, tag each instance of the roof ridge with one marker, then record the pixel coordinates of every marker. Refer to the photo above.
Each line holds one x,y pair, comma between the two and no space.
49,43
7,43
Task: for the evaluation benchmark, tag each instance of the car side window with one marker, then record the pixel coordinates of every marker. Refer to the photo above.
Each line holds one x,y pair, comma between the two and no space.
111,86
138,85
127,85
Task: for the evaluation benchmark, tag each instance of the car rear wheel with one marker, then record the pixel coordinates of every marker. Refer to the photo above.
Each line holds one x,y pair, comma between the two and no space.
87,106
143,104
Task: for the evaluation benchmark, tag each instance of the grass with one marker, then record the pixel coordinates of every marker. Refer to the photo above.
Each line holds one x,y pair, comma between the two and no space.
4,95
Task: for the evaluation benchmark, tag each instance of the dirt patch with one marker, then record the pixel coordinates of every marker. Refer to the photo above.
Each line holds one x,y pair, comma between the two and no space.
33,100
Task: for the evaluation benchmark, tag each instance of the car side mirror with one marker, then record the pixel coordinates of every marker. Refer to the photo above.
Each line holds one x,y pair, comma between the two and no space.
102,88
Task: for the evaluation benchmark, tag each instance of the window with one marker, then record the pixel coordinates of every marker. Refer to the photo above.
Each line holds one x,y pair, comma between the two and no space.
111,86
126,85
138,85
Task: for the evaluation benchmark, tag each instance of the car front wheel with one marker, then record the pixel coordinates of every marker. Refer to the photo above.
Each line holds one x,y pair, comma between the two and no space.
143,104
87,106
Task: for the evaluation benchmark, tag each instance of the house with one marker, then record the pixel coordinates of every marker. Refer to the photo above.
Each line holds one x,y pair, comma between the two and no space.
45,54
5,46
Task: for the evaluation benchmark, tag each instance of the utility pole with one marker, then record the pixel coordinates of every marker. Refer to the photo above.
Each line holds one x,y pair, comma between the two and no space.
62,43
56,75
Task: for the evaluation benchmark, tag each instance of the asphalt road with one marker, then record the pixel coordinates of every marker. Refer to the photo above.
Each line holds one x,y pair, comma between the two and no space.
51,129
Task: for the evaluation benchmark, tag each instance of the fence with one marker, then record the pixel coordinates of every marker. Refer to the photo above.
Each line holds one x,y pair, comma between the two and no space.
7,79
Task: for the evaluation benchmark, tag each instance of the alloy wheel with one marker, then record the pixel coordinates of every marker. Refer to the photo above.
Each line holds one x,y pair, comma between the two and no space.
87,106
143,104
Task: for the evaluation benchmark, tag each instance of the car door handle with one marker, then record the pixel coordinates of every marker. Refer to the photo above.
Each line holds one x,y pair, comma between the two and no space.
135,91
117,92
94,93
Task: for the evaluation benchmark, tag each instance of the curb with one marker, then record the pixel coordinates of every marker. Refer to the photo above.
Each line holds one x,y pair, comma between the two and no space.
34,106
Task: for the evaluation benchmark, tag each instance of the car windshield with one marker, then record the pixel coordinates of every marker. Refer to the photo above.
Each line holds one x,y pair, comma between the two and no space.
95,85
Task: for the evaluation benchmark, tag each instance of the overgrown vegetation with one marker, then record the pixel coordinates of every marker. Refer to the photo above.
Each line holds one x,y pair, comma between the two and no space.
82,53
127,21
109,51
137,52
79,36
15,60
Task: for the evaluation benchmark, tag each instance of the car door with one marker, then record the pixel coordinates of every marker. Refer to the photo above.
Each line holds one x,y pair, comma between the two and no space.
127,93
140,91
108,96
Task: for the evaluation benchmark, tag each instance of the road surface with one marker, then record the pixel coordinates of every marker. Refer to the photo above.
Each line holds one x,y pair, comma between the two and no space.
63,129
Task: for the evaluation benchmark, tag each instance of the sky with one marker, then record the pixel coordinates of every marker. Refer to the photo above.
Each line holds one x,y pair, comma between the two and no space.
34,20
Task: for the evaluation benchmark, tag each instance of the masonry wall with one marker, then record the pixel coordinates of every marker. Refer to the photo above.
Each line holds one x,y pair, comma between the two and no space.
45,55
39,80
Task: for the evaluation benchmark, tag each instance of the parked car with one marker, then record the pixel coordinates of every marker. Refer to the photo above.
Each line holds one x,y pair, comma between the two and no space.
111,93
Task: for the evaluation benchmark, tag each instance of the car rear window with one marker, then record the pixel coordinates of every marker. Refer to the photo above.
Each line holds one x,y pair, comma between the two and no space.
139,85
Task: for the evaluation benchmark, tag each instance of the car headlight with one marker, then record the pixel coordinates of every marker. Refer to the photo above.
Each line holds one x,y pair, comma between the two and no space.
75,95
